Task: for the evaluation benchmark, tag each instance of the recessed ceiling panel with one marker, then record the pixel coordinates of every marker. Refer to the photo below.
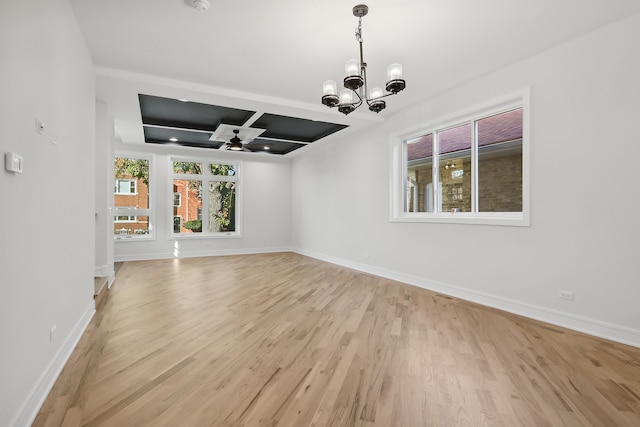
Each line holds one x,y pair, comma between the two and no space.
211,144
159,134
273,147
190,115
295,129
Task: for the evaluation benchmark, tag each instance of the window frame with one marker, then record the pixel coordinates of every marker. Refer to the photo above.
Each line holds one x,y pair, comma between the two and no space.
132,211
398,187
207,177
132,219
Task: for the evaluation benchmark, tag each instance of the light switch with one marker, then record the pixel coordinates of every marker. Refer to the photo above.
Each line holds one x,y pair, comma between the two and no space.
13,162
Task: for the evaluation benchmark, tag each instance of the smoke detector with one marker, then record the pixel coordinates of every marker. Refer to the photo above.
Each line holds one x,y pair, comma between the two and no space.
200,5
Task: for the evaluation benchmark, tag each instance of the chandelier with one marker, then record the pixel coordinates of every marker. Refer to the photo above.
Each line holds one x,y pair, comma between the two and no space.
356,89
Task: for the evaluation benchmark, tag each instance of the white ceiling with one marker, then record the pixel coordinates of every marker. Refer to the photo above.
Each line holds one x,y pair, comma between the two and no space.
273,55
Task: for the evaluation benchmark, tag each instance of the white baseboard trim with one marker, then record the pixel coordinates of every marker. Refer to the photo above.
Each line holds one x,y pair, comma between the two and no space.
29,409
103,270
196,254
617,333
111,279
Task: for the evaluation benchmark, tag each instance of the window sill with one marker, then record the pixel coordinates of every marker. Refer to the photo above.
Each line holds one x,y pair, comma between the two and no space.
196,236
515,219
133,238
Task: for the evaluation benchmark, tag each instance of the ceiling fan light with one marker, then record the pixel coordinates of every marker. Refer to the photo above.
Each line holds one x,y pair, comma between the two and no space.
235,146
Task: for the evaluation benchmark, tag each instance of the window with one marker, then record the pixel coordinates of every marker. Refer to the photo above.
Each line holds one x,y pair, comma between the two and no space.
132,210
207,194
125,186
479,165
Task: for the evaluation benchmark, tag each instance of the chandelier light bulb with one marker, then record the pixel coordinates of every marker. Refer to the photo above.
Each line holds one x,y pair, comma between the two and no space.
346,97
330,87
394,72
352,68
374,93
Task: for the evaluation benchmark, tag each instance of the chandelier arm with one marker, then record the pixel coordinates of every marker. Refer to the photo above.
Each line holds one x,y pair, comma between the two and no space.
380,97
359,102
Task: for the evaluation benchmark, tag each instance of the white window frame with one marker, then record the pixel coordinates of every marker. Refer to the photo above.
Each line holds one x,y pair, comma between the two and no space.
133,211
398,188
207,177
179,200
132,219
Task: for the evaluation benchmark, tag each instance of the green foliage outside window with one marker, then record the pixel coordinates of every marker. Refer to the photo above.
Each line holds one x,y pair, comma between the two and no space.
136,168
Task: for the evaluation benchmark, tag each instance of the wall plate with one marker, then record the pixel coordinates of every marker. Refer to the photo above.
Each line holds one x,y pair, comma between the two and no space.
13,162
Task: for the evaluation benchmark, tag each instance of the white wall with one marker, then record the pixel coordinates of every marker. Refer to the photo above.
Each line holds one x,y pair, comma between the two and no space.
47,255
584,229
104,193
265,191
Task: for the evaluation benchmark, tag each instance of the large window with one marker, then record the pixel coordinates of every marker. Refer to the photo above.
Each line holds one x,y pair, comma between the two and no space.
479,165
132,210
207,195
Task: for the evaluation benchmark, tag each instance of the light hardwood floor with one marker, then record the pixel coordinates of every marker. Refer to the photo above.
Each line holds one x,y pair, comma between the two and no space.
286,340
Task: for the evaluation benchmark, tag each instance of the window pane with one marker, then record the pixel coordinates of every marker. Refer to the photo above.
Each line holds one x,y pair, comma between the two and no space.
222,169
187,167
419,174
191,201
500,162
222,200
131,182
455,168
130,225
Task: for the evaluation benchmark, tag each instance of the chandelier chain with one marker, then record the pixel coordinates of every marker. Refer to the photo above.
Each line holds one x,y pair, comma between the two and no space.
359,31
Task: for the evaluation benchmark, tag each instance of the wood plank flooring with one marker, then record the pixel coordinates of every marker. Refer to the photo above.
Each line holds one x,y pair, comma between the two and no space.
286,340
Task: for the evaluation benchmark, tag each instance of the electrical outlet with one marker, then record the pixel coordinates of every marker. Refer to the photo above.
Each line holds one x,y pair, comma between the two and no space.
568,295
52,333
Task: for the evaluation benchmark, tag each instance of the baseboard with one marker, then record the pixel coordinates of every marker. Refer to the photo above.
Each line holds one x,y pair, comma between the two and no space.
104,270
111,279
29,409
196,254
585,325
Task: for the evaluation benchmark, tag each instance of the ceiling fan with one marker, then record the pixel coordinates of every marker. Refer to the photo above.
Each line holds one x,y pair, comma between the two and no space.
235,143
229,136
